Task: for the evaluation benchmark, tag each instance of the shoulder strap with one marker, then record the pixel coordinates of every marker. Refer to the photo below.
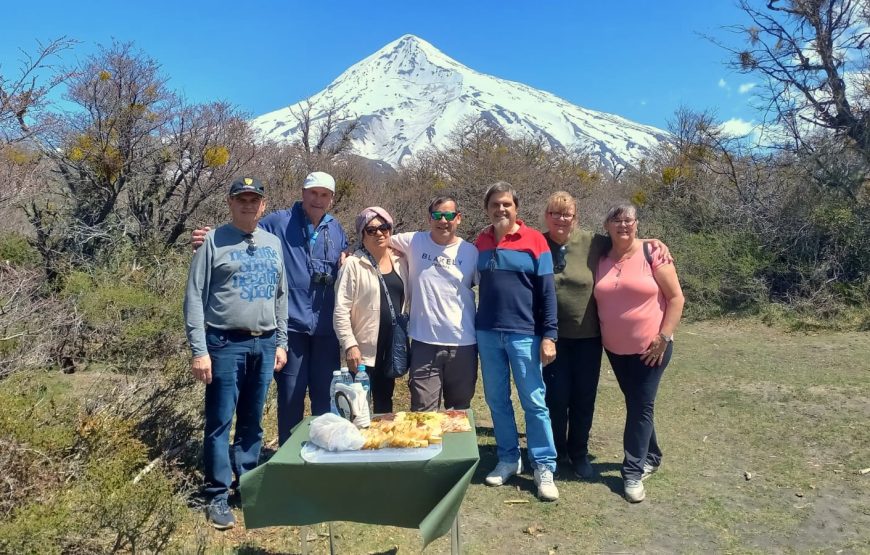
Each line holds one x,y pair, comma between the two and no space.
383,284
647,254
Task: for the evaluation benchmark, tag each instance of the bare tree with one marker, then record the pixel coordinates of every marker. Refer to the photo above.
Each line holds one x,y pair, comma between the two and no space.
23,97
325,132
813,57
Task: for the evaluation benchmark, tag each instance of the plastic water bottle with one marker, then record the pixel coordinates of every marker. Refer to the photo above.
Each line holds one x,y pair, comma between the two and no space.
345,376
336,379
362,378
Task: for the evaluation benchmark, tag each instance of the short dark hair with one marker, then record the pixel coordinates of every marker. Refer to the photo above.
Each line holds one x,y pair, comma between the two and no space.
441,199
497,188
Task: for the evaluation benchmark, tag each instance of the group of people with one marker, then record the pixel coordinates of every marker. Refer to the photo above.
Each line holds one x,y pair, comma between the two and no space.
282,296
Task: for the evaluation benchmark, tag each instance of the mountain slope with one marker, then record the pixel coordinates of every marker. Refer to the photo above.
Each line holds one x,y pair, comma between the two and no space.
409,95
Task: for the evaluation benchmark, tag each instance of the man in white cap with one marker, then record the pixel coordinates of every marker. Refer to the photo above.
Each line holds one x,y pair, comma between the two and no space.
313,242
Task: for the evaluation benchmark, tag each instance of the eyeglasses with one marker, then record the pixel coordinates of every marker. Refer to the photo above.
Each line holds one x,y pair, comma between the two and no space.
249,239
626,223
449,216
371,231
561,215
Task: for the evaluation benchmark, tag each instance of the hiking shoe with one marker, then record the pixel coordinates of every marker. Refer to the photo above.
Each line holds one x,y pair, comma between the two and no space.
648,470
547,490
502,472
634,491
219,514
583,469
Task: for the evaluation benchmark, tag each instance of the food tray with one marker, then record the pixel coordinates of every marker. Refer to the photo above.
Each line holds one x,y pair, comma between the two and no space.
313,454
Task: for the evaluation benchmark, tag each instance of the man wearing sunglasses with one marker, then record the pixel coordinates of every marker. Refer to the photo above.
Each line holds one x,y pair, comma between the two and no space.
441,268
312,242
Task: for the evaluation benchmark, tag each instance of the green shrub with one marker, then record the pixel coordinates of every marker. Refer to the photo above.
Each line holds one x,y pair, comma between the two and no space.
16,250
720,272
132,313
79,475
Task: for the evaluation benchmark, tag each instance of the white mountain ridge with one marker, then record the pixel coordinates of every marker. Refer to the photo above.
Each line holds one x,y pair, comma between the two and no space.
409,96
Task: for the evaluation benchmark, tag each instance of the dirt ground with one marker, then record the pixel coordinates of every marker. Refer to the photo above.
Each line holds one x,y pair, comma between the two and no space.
764,436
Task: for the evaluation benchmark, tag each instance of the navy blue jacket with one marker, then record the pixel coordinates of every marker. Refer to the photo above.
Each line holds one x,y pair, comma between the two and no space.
310,294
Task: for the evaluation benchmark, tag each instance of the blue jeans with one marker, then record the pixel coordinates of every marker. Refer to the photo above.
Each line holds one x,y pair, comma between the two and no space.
501,354
311,360
241,370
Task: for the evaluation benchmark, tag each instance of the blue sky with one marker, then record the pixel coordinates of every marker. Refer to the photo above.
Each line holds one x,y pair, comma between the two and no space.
641,60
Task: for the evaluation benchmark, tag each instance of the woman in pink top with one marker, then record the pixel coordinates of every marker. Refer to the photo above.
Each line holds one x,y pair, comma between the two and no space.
639,306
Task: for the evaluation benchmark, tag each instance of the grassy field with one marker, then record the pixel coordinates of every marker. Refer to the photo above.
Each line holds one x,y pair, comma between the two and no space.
764,434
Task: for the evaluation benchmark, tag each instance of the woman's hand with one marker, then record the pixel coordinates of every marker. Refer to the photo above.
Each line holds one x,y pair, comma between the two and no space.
354,358
655,353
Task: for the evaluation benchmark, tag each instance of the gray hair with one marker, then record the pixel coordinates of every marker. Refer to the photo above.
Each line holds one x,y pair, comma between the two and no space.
624,208
497,188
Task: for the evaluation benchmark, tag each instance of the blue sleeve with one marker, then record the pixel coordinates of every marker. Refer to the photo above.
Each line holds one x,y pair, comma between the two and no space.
547,295
273,222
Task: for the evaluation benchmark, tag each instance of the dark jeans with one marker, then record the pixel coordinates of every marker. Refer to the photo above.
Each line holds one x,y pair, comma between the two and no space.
311,359
381,390
572,384
639,383
241,369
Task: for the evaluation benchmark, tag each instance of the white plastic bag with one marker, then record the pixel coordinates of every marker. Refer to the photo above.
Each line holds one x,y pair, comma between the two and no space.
334,433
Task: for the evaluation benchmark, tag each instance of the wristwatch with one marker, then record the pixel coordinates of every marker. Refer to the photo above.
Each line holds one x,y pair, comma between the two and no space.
667,338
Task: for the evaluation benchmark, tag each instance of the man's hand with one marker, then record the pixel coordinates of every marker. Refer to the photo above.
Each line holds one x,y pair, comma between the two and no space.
280,358
197,237
354,358
662,250
200,367
548,351
341,258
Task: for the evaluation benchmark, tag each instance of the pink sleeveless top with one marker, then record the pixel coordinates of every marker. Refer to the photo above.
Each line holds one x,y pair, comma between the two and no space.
631,307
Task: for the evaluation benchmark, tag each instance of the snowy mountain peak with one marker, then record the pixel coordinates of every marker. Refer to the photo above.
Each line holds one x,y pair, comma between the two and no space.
409,96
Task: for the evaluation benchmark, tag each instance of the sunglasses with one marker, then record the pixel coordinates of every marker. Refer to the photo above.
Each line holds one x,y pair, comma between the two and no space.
252,246
449,216
371,231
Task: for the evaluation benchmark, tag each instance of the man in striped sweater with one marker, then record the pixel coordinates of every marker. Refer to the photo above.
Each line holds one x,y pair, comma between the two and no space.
516,334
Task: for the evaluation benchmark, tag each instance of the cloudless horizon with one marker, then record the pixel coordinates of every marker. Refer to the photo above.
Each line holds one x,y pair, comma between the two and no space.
641,60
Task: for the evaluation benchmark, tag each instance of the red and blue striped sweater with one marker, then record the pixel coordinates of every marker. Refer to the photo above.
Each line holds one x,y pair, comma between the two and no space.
517,291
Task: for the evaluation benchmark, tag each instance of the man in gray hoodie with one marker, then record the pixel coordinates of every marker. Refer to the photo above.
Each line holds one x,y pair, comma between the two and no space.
235,311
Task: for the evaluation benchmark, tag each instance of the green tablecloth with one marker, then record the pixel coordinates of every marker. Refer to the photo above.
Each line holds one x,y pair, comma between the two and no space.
424,494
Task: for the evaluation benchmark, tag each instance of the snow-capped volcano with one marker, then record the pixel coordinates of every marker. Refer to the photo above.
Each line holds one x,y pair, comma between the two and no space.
409,95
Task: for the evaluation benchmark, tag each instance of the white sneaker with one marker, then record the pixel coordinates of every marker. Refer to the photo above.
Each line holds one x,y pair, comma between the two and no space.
634,491
502,472
648,470
547,490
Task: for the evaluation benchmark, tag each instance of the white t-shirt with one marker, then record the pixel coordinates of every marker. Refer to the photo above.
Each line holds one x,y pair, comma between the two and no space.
441,278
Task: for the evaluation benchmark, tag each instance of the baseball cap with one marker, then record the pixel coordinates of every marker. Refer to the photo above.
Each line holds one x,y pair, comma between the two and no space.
319,179
247,185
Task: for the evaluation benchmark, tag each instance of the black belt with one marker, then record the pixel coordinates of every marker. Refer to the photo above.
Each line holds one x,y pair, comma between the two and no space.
246,333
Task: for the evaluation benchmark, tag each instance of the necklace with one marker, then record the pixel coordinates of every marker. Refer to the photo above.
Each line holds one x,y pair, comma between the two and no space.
619,264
